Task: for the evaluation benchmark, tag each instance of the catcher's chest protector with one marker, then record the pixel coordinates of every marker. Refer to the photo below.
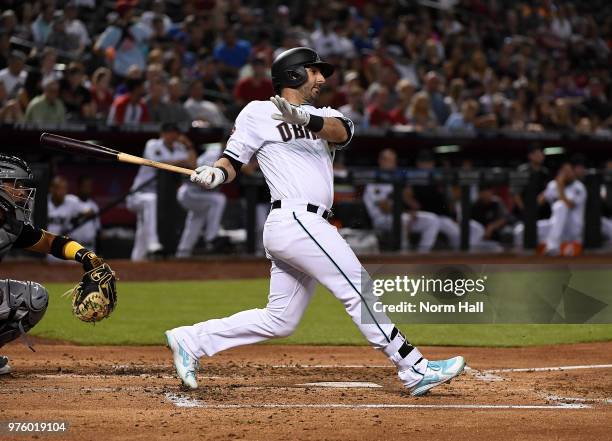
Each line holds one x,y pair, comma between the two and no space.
22,305
9,231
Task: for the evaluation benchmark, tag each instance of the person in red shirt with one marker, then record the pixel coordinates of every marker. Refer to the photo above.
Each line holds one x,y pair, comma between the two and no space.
405,90
378,115
101,91
130,107
257,87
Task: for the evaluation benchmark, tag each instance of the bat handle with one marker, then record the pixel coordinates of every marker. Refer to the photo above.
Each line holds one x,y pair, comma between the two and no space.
125,157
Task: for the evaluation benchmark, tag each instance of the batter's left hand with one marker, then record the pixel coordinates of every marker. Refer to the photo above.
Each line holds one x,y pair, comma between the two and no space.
208,177
289,113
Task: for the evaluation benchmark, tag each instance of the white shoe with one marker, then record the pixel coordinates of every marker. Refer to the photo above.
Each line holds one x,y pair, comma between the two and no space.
186,366
5,368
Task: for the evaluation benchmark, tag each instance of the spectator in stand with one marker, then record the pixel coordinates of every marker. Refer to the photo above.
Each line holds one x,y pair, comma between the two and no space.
201,109
154,72
405,91
101,92
354,109
179,114
455,95
207,70
262,49
123,43
14,76
75,26
596,101
41,28
130,107
8,23
377,113
75,96
420,114
47,108
60,39
257,87
233,53
13,110
464,120
158,10
159,111
561,119
436,99
48,59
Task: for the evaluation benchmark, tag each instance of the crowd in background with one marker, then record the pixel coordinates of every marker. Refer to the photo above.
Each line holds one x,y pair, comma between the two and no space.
482,64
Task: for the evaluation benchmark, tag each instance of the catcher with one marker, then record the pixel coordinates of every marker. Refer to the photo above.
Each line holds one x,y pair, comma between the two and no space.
23,303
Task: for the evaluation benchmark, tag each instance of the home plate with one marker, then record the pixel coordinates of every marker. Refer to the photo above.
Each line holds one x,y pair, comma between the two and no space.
341,384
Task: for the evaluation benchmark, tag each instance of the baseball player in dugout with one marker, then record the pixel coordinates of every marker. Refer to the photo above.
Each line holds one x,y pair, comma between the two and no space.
171,147
23,303
294,144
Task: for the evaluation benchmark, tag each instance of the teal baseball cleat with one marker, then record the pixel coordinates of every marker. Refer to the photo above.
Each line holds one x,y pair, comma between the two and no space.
438,372
186,366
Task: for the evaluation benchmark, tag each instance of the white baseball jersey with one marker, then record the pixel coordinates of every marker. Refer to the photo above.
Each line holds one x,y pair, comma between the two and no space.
59,217
296,163
575,192
372,196
87,232
157,151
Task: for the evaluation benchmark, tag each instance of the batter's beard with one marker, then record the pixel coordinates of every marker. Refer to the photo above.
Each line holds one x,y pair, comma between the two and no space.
310,94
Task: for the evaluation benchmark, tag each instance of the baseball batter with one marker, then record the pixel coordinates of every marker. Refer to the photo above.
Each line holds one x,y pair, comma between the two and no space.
294,143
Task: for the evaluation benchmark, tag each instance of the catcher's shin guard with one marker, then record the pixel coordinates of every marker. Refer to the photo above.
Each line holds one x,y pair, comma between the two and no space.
22,305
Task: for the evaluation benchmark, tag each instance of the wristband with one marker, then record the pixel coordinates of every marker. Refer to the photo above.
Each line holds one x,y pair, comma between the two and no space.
225,173
315,124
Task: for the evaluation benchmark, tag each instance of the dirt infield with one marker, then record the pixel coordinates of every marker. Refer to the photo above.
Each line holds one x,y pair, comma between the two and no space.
266,392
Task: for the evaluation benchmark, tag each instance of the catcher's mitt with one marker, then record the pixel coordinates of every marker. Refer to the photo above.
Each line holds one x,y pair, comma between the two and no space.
94,298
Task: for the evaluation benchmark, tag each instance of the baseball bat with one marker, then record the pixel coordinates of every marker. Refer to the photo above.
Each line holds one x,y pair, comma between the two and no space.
98,151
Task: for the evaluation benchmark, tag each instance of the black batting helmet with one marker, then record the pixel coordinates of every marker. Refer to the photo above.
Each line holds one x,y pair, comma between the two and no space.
289,68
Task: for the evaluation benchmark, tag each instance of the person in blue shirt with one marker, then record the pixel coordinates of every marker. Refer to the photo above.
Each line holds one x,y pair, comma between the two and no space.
232,52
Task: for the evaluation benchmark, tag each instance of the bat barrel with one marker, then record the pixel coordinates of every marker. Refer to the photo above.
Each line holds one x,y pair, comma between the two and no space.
71,145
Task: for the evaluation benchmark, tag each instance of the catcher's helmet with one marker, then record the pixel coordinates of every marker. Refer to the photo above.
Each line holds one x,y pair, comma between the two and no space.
15,191
289,68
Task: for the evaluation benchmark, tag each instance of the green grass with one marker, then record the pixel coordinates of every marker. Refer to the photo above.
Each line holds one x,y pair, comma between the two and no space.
146,310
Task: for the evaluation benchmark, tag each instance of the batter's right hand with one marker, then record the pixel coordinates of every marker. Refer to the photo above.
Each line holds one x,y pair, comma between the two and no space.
208,177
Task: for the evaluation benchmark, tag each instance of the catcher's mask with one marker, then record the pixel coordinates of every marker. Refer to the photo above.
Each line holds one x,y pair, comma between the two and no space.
16,190
289,68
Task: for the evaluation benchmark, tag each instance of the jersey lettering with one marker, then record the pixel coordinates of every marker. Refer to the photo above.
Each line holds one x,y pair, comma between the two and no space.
298,131
283,129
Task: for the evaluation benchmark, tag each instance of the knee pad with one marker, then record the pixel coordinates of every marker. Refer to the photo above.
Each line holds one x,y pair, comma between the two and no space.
22,305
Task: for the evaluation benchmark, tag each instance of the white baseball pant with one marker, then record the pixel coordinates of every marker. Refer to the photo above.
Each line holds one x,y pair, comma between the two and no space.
423,222
564,224
304,248
204,208
452,230
146,240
